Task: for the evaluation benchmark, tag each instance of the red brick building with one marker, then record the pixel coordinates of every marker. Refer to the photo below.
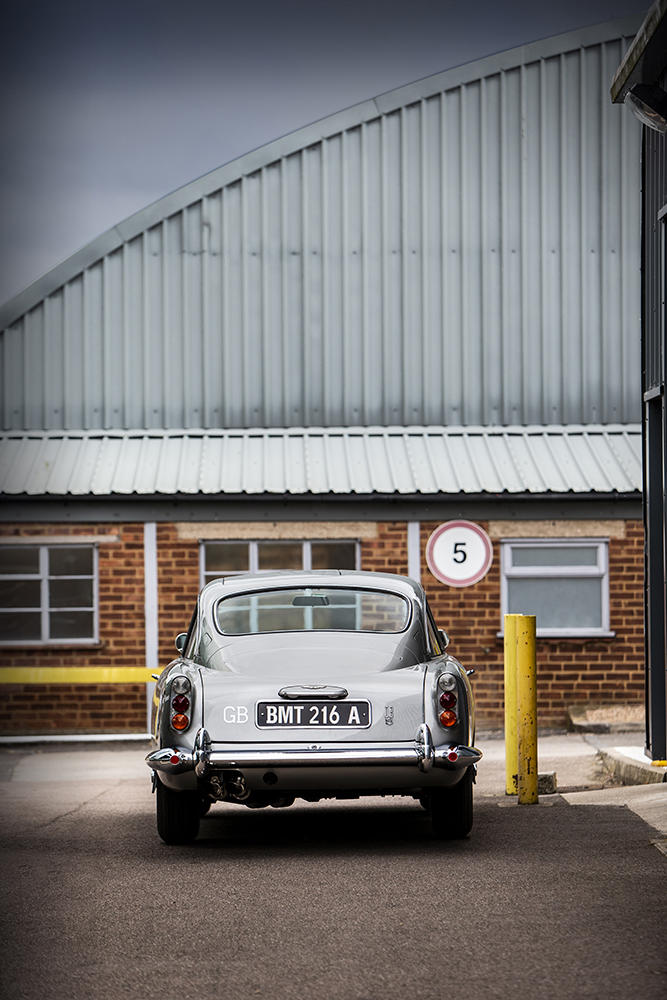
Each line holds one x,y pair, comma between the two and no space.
585,550
424,308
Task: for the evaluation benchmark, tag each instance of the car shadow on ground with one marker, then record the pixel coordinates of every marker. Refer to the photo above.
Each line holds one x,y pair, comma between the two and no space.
331,824
394,828
381,828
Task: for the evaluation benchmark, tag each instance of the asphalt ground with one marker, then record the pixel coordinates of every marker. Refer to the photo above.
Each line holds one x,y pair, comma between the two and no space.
352,900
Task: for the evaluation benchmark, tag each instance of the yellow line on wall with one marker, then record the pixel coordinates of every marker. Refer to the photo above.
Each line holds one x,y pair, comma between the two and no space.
74,675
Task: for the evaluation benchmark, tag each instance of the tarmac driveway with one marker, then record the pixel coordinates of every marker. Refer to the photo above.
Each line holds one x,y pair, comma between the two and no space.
350,900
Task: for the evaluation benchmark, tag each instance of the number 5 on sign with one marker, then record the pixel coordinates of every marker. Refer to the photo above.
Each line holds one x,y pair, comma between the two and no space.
459,553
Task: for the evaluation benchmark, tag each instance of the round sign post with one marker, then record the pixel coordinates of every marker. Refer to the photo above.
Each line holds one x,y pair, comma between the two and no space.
459,553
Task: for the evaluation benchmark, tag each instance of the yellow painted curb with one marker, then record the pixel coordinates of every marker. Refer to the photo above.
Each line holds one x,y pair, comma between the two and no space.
75,675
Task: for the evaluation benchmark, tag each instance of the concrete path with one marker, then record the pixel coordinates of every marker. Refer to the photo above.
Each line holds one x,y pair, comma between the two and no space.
584,775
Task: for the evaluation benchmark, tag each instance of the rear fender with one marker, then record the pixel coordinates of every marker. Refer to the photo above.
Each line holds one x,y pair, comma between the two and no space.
463,731
163,733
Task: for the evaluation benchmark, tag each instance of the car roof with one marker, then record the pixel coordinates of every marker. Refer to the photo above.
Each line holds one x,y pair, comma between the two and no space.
270,579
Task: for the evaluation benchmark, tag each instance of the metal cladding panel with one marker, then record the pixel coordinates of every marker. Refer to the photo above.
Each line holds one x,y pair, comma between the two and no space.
390,461
463,251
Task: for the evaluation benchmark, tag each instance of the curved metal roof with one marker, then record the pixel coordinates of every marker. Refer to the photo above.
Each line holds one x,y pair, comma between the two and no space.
254,160
463,250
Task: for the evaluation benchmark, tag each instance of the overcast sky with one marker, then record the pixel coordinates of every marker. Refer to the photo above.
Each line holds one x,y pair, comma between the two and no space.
109,104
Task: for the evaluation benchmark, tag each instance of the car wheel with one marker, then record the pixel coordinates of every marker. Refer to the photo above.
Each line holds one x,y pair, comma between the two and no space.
177,815
451,809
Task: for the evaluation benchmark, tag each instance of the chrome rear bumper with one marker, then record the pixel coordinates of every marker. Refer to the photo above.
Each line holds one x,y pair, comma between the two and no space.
422,754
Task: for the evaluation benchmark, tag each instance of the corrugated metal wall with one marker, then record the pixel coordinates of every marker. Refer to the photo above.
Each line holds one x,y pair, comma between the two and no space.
463,256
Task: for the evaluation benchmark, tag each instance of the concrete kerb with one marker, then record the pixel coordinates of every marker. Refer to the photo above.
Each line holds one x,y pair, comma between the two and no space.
628,764
612,730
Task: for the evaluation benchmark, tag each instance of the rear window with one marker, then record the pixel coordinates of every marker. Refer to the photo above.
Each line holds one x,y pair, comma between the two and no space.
312,609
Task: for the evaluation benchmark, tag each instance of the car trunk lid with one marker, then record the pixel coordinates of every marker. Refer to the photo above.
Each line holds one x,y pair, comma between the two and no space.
331,706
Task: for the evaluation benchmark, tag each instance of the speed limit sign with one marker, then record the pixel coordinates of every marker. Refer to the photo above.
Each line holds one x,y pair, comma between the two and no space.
459,553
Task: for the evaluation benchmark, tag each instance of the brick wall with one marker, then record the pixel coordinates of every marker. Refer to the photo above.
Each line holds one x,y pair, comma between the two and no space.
569,670
72,708
178,586
36,708
388,552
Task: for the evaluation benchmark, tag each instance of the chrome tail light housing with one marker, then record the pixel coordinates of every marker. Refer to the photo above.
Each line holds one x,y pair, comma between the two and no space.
180,696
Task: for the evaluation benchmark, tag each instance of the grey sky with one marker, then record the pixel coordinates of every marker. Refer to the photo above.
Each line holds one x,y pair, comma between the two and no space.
107,106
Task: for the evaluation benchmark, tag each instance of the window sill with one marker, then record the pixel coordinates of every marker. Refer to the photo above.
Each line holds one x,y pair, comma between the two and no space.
18,645
567,635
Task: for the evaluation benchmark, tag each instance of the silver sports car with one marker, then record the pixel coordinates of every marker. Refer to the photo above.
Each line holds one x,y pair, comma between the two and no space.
312,685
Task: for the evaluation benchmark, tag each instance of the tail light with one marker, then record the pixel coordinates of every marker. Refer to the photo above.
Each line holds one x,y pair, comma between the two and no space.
446,699
180,703
447,682
447,719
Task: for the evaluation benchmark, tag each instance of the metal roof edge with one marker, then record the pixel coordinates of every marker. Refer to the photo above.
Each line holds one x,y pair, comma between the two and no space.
120,510
338,498
356,431
520,55
356,114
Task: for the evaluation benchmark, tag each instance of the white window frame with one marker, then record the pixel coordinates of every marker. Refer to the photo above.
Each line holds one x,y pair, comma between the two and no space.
45,608
253,555
600,571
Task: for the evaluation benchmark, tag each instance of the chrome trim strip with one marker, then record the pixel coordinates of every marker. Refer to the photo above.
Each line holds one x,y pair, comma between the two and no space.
313,691
315,756
424,747
205,758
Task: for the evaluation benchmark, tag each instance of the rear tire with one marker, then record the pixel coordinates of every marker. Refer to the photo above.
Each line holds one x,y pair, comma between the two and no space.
451,809
177,815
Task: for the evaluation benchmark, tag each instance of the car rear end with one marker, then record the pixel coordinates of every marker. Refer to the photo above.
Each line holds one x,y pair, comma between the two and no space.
327,708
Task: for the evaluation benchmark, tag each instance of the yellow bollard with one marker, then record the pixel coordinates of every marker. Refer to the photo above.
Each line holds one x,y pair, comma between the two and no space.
526,681
511,743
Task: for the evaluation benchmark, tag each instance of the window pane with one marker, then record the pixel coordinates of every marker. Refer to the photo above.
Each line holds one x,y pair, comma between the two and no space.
280,555
307,608
72,561
279,619
236,621
335,618
226,557
71,624
19,559
551,555
20,593
333,555
20,626
70,593
562,603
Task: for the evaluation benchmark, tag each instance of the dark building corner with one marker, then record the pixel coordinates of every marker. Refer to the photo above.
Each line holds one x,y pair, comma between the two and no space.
641,83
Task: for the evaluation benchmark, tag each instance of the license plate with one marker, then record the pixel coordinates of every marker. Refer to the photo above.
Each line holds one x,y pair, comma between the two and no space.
314,715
